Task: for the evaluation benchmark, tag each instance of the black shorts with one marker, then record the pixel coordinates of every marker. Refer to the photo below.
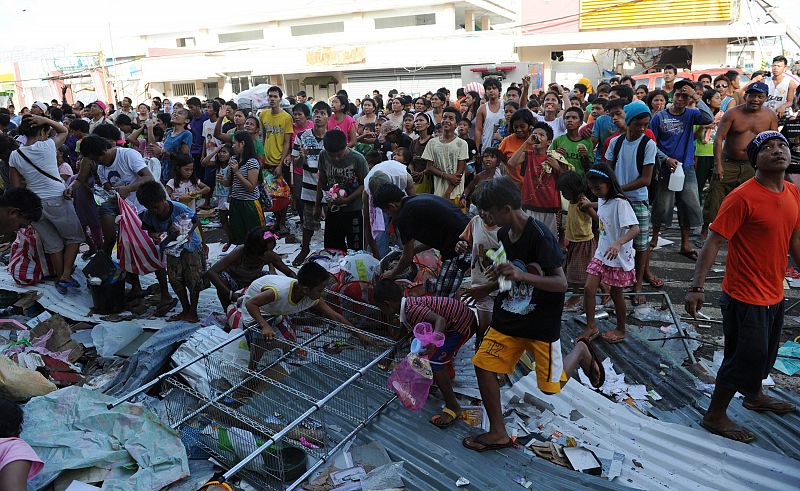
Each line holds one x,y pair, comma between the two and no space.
752,334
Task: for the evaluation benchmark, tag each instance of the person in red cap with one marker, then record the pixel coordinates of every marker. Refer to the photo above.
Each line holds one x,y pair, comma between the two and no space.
97,111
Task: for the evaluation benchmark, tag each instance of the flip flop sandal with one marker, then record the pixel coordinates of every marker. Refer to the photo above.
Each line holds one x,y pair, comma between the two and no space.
612,340
689,254
785,407
727,433
485,447
163,308
655,281
437,417
595,359
62,286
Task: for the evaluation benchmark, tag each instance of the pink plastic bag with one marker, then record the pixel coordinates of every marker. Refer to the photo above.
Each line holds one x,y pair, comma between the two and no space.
411,380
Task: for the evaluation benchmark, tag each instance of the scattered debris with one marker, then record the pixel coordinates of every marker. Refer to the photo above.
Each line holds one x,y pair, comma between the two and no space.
461,482
788,361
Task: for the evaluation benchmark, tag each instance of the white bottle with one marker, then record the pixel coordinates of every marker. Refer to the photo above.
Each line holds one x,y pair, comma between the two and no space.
677,178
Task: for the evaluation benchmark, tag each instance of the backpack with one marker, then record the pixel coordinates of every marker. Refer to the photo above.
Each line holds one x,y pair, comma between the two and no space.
640,149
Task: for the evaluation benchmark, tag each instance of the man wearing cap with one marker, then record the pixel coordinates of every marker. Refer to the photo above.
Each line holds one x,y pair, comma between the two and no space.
760,220
97,111
39,108
673,129
735,130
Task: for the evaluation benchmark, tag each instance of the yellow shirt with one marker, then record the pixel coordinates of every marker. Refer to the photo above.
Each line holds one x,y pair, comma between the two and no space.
579,225
276,126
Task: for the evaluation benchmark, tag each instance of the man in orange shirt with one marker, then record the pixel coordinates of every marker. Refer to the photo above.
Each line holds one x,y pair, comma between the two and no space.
760,219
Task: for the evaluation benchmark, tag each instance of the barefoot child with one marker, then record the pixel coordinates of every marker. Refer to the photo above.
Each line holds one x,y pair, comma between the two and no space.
578,232
613,261
481,236
184,186
185,263
222,156
448,316
245,264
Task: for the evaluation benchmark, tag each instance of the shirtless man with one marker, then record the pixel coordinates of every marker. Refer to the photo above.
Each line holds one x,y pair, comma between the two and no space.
736,129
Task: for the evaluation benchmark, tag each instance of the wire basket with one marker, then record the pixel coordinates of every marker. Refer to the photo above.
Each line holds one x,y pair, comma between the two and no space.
295,398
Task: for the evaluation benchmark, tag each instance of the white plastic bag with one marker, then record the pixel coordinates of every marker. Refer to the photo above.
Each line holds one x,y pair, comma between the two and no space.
256,96
237,353
111,337
202,341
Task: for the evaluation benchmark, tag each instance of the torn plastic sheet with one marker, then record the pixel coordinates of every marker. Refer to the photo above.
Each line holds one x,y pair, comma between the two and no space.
72,429
111,337
148,360
788,361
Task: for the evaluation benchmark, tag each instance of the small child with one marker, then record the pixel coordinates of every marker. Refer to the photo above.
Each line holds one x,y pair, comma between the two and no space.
492,160
245,264
64,167
448,316
480,236
504,126
578,232
185,263
219,198
408,126
402,155
18,461
613,262
184,186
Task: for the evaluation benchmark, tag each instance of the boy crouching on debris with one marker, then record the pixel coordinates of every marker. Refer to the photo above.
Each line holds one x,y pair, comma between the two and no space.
272,296
448,316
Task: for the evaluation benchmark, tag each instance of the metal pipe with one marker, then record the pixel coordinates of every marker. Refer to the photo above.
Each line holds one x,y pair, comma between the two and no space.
291,426
341,444
172,372
677,320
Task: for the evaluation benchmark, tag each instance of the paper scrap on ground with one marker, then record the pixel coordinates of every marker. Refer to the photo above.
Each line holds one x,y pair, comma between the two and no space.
785,365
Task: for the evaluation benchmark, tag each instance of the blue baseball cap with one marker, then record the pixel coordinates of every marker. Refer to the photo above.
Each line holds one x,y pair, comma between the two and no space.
758,87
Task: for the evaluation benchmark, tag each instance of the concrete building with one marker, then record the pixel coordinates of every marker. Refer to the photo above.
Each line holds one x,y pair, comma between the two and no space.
587,36
355,45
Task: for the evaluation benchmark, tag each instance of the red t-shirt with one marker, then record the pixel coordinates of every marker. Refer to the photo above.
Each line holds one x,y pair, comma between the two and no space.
647,132
758,224
539,191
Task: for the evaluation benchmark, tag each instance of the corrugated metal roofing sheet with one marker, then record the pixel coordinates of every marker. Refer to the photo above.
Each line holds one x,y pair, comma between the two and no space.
682,403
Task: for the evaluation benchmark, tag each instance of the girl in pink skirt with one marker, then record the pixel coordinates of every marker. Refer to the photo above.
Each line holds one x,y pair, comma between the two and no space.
613,262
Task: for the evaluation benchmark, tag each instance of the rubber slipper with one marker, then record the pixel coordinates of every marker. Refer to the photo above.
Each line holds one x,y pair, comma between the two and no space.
611,339
775,406
62,287
436,418
689,254
470,442
728,433
163,308
655,281
595,359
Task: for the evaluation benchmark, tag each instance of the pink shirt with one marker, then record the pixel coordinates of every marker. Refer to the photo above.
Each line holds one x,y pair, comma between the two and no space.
14,449
345,125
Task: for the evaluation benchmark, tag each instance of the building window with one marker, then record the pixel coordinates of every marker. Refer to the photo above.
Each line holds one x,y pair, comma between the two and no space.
261,80
325,28
292,87
235,37
210,90
239,84
185,42
405,21
183,89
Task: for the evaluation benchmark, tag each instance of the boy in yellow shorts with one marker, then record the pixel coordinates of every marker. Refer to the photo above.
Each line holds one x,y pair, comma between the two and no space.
525,318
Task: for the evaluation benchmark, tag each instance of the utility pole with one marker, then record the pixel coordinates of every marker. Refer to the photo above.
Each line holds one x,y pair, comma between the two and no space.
774,12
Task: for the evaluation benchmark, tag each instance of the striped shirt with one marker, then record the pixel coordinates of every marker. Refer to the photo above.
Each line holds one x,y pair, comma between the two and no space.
313,146
458,316
237,190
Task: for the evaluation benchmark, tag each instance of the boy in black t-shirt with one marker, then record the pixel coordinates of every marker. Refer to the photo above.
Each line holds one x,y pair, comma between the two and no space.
527,317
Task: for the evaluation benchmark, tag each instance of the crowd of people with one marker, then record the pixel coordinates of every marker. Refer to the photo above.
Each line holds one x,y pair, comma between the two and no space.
531,193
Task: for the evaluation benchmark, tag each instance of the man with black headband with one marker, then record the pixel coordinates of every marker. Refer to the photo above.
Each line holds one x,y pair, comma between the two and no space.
760,220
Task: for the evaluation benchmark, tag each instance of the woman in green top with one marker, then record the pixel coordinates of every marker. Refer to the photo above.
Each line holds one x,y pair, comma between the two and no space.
704,141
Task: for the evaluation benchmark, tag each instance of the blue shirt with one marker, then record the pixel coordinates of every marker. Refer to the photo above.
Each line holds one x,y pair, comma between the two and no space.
178,212
173,143
603,128
196,126
675,134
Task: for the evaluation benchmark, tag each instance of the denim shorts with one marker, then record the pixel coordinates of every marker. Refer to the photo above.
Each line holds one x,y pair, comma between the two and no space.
690,213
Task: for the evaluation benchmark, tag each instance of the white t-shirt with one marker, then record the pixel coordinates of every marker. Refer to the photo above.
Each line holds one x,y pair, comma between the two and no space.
557,125
615,216
396,171
182,189
282,287
43,154
209,142
124,171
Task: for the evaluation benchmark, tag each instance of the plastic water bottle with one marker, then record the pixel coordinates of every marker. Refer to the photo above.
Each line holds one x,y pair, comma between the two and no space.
677,178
